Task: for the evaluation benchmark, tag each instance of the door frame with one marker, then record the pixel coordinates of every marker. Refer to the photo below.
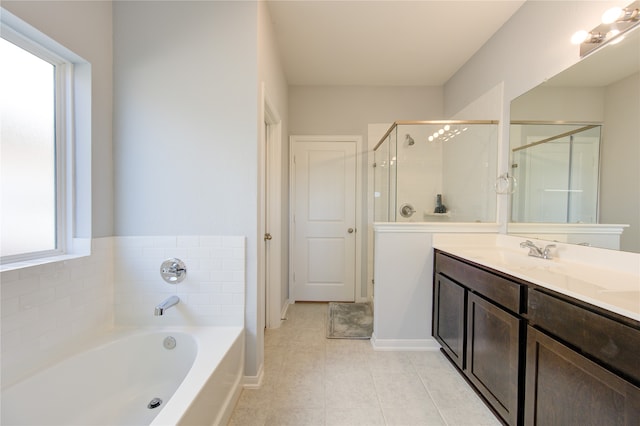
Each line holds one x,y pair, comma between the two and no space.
270,276
358,206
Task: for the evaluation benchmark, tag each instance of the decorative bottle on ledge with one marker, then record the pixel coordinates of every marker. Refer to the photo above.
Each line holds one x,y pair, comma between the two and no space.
440,208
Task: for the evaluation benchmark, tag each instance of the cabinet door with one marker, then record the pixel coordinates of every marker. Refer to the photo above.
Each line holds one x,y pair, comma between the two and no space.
493,356
449,308
565,388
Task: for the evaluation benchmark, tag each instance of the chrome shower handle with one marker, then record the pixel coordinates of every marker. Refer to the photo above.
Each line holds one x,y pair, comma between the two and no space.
173,271
407,210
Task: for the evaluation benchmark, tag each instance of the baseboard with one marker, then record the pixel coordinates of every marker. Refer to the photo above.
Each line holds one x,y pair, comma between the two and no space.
404,344
254,382
283,312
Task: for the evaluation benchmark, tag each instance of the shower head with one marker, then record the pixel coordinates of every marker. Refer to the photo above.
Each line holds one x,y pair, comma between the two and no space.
409,139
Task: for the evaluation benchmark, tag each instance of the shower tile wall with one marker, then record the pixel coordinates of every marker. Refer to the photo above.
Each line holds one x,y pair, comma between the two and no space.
419,172
212,293
47,308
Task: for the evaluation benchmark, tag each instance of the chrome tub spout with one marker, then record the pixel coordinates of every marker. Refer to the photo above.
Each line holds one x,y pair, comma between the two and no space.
166,304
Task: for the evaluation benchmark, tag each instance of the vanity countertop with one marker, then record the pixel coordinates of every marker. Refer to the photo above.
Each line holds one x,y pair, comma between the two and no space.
611,284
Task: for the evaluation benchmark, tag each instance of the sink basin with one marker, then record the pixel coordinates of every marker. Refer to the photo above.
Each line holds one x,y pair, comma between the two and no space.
510,258
568,275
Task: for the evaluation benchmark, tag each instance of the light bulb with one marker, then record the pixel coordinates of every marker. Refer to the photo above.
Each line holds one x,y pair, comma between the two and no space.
612,15
579,36
613,33
430,138
436,134
441,131
447,127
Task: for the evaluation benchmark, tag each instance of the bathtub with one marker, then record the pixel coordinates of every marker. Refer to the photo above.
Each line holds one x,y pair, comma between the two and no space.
195,372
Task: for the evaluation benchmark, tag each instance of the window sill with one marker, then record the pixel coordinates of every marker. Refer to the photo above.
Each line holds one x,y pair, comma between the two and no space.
81,248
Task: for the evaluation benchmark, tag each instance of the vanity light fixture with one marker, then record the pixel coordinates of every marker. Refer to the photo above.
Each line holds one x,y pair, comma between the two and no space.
617,14
615,22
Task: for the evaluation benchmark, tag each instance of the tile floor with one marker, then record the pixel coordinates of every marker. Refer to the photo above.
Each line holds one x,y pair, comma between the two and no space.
311,380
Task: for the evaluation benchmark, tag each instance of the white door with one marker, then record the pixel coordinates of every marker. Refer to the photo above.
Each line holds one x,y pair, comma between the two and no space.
323,253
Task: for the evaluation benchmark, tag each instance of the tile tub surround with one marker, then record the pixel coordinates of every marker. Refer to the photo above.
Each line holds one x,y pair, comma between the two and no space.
48,308
606,278
311,380
212,293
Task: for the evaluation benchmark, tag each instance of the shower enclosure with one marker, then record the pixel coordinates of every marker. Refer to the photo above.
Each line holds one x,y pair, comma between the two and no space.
556,166
436,171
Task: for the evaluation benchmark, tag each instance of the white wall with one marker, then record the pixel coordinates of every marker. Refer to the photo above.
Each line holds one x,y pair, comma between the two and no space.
620,174
531,47
85,27
348,110
402,290
185,126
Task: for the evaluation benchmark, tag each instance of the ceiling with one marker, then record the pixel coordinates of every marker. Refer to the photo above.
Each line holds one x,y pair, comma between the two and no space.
382,42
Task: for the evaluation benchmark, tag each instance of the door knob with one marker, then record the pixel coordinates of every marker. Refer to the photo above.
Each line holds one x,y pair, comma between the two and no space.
267,236
350,230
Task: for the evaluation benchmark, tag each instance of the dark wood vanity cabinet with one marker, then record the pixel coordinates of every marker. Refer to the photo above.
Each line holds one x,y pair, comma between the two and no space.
481,337
565,388
536,357
582,366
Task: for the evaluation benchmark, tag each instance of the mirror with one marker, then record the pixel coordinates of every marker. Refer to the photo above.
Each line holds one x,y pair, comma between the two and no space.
581,128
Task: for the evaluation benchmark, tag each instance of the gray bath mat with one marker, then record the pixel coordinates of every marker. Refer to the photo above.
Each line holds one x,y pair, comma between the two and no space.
349,321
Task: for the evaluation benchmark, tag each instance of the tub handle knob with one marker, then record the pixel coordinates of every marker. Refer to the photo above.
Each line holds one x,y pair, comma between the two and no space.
173,271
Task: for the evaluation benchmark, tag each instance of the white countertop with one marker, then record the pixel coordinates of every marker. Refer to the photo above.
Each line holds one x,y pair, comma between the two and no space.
604,278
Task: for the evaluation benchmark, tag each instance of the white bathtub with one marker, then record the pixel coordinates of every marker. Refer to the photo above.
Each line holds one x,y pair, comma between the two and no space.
112,382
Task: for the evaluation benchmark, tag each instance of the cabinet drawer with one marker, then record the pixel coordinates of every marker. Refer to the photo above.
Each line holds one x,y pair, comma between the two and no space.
500,290
613,343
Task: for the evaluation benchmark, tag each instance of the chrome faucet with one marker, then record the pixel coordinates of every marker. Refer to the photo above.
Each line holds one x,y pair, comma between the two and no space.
535,251
166,304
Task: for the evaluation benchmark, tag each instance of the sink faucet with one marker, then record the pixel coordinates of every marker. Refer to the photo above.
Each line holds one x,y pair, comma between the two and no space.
166,304
535,251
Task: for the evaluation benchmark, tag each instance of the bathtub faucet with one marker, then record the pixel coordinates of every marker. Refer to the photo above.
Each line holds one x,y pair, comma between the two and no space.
166,304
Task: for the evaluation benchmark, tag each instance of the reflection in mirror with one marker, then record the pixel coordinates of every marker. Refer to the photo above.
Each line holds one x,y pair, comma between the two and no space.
604,89
556,167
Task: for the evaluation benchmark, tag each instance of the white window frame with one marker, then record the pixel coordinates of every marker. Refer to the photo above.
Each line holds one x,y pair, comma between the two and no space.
72,165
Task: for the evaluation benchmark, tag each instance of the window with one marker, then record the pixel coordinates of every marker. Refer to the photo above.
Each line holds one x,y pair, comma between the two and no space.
40,162
28,163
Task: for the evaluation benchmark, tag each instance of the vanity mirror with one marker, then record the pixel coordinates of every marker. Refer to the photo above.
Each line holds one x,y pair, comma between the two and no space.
581,128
